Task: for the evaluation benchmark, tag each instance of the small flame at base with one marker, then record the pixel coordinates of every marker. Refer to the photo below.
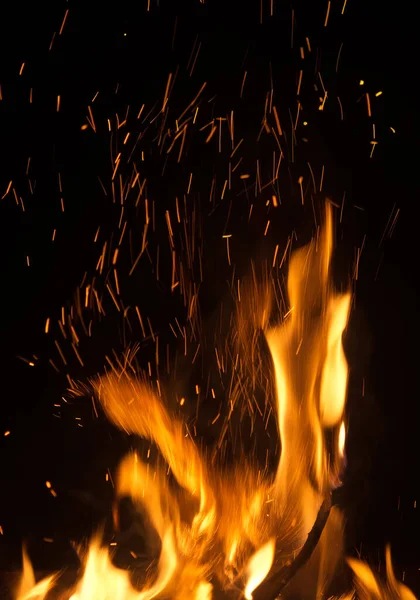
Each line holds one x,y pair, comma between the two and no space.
259,567
369,587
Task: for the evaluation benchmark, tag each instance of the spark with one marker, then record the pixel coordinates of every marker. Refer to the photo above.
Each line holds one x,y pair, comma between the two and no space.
322,178
195,59
341,108
276,117
9,187
368,105
299,82
338,57
63,22
52,41
243,84
166,96
191,104
300,181
275,255
90,119
63,358
328,13
227,237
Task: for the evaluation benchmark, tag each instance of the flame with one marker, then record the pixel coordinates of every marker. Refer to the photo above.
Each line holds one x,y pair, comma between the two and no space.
28,588
342,440
231,530
368,586
258,567
311,378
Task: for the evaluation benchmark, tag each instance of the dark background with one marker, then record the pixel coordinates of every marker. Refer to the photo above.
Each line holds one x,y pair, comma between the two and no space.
101,47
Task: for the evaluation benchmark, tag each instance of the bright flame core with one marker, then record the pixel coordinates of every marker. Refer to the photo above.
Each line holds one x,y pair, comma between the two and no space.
227,530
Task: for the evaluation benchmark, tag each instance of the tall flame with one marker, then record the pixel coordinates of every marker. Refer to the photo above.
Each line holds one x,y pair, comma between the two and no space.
311,378
211,529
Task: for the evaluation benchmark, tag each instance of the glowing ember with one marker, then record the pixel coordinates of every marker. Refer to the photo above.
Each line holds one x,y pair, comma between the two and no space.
235,530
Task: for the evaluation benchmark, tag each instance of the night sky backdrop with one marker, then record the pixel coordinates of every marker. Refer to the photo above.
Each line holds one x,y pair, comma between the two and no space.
125,53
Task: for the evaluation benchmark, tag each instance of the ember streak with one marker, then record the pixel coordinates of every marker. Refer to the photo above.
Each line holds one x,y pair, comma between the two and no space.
173,181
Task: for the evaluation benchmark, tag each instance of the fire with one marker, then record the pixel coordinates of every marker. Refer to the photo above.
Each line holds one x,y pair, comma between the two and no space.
311,378
368,586
259,566
241,532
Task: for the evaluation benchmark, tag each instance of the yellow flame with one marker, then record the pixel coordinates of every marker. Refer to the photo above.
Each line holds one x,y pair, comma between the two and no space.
311,378
368,586
28,588
258,567
342,439
100,578
204,591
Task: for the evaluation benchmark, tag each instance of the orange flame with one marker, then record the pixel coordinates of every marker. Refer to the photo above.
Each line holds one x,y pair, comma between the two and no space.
369,587
231,529
311,377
